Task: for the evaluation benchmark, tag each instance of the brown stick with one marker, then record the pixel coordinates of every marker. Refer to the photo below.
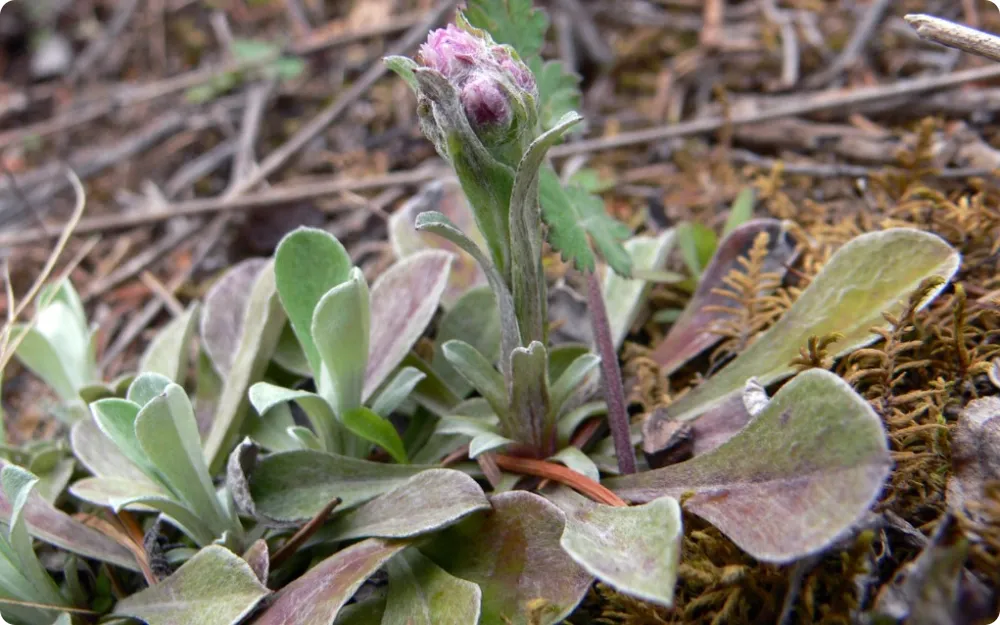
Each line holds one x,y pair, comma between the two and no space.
292,544
558,473
956,36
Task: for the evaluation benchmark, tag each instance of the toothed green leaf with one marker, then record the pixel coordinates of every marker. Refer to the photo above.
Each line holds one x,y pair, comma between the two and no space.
574,217
514,22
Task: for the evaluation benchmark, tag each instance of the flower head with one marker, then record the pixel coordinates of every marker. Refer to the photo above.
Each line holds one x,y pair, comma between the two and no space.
452,51
485,102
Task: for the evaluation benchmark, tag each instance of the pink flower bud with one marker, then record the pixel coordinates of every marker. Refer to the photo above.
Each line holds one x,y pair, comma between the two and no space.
451,51
516,70
485,102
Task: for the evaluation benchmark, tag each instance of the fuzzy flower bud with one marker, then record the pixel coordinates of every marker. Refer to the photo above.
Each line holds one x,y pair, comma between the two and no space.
485,103
452,51
497,91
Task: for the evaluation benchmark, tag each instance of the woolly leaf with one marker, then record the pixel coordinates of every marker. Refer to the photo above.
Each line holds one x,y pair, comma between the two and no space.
514,554
422,593
514,22
428,501
792,481
871,275
168,352
317,597
295,485
215,587
635,549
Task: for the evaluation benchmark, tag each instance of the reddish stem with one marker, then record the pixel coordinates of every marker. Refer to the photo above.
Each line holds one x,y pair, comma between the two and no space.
558,473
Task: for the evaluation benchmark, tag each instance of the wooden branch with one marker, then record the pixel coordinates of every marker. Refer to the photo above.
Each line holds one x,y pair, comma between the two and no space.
956,36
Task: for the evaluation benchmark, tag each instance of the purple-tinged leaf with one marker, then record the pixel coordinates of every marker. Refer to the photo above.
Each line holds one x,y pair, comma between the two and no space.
222,314
975,453
428,501
422,593
214,587
634,549
50,525
403,301
101,456
792,481
259,559
317,596
692,333
871,275
263,322
446,197
514,555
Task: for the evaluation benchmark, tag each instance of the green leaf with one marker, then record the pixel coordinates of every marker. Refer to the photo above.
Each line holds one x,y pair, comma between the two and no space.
428,501
475,320
55,527
365,423
43,359
215,587
558,90
307,264
513,554
250,50
571,420
514,22
266,396
146,387
116,419
295,485
466,426
510,334
572,215
789,483
101,456
422,593
122,494
17,488
697,243
479,373
487,441
527,278
635,549
168,434
692,332
305,438
741,212
578,461
531,422
261,328
403,67
403,302
570,380
340,329
871,275
397,391
317,597
168,352
624,298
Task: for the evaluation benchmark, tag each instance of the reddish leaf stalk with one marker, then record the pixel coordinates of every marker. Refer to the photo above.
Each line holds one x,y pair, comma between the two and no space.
303,534
564,475
611,377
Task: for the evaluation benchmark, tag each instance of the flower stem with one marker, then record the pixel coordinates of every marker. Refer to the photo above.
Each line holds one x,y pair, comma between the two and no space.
611,377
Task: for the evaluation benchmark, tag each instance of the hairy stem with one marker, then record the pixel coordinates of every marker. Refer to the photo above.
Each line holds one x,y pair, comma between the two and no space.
611,377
